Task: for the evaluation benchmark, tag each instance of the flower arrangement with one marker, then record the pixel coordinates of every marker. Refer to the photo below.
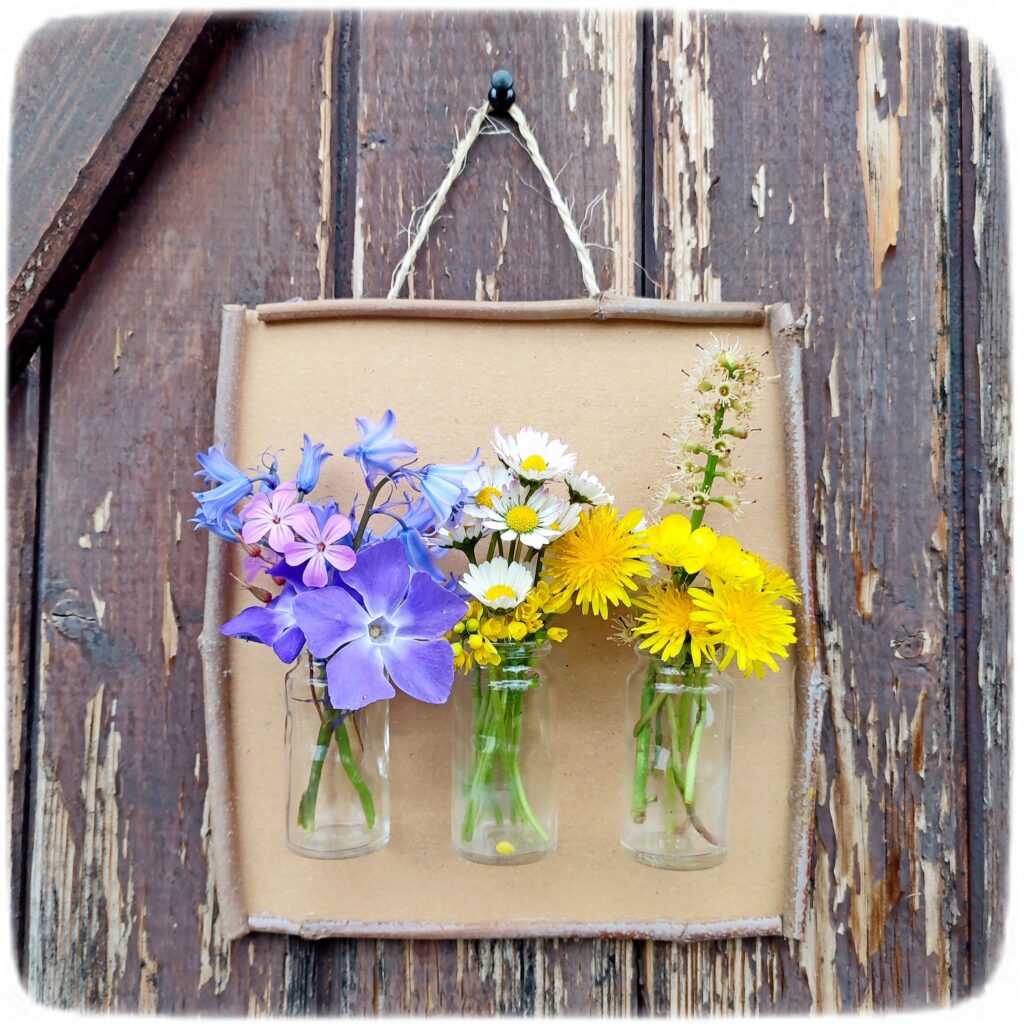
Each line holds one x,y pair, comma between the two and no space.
709,603
369,606
538,536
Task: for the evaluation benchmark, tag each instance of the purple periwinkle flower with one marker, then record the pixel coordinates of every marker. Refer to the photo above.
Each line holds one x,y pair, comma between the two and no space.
272,624
320,547
313,457
378,451
385,626
274,515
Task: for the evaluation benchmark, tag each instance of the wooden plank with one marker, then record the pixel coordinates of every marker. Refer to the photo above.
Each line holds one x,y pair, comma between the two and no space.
25,417
986,473
498,239
72,80
122,911
148,70
807,160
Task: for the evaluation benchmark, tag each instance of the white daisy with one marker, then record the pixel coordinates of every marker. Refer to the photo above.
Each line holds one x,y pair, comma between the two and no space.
498,583
532,456
587,489
482,486
448,537
568,519
519,515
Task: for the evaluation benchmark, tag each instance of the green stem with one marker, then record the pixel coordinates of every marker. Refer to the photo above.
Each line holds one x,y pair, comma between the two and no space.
307,805
691,760
652,710
697,515
515,778
481,766
348,762
371,498
643,749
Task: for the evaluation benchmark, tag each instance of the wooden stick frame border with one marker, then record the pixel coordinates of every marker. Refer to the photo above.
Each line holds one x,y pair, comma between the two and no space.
810,679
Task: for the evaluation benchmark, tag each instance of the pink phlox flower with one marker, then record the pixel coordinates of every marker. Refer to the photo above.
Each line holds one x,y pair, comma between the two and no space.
272,515
320,547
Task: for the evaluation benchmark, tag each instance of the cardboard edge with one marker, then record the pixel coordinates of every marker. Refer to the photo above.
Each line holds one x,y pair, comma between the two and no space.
234,920
661,931
604,307
811,680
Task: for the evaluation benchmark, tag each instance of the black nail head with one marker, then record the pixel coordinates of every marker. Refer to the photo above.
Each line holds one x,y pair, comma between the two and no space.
502,95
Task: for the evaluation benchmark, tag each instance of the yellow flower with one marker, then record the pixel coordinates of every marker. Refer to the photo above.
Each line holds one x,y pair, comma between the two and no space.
557,633
598,559
778,582
728,561
666,620
747,622
674,542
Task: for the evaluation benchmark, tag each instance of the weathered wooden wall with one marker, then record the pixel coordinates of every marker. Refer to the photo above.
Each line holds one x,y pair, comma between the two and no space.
852,168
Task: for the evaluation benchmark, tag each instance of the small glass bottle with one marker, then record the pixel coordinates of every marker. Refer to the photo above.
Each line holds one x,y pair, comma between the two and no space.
678,751
338,799
504,809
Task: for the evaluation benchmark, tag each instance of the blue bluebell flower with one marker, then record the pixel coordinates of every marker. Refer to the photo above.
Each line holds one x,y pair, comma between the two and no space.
313,457
227,528
442,484
378,451
217,503
217,468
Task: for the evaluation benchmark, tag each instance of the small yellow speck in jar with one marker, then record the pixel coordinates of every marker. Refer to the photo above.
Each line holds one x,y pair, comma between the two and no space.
505,847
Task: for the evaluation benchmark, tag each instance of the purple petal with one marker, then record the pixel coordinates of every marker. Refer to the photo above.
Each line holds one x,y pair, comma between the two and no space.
329,618
355,676
305,524
380,576
424,669
289,644
259,623
429,611
253,530
296,552
340,557
280,536
337,526
315,573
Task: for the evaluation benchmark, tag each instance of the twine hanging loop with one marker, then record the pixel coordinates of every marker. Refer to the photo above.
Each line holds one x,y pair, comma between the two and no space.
501,99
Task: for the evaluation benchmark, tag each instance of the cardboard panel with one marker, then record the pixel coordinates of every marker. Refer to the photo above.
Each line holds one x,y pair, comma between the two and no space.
611,389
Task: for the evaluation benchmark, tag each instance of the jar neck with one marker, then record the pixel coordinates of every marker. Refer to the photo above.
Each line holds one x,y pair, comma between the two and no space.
522,652
686,675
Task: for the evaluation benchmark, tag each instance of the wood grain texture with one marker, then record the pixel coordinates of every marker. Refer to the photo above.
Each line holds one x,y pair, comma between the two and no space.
25,416
820,162
122,913
150,69
987,512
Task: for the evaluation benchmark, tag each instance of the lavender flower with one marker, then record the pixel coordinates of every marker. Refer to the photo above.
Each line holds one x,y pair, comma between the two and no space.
313,457
385,625
272,624
320,547
273,515
378,451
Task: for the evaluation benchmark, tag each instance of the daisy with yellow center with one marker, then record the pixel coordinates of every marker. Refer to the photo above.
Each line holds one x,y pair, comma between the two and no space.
533,456
482,486
675,543
498,583
519,515
748,623
665,621
586,489
598,560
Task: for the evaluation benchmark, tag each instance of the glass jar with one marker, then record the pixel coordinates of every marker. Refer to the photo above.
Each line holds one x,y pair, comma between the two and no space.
503,764
338,800
678,749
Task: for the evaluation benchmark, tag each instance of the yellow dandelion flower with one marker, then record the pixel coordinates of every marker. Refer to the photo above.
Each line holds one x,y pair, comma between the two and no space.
665,620
748,623
728,561
778,582
598,559
674,542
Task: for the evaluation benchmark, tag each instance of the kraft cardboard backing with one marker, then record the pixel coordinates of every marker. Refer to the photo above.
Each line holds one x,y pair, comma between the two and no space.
612,390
